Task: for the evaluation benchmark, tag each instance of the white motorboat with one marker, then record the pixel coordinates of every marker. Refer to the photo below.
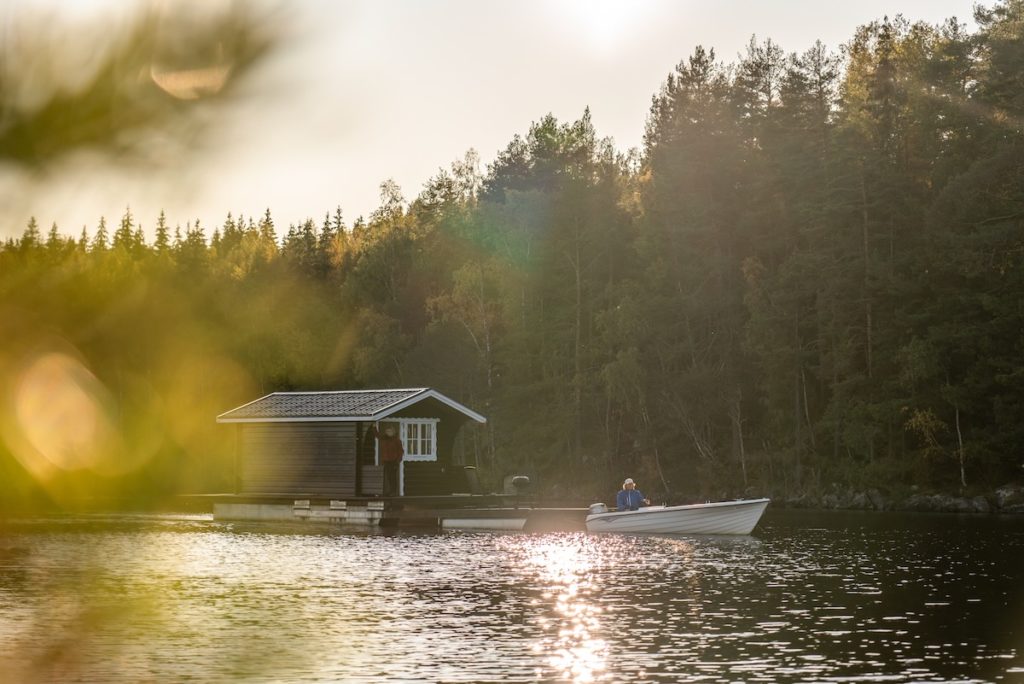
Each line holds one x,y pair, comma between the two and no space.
721,517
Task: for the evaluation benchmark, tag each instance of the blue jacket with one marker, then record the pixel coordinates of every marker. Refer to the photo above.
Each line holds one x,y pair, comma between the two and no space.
629,500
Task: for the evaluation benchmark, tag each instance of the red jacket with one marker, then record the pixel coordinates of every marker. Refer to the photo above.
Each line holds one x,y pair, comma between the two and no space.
390,448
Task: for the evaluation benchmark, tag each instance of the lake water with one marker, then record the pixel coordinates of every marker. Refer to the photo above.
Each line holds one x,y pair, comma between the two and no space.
810,597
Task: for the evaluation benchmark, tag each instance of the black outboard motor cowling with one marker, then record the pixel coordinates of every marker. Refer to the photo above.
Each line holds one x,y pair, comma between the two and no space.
520,483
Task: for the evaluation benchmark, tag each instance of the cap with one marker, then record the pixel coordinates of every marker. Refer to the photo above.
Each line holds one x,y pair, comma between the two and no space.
629,480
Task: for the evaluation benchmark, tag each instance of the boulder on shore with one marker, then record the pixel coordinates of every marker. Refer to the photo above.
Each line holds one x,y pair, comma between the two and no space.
1007,499
944,503
1010,498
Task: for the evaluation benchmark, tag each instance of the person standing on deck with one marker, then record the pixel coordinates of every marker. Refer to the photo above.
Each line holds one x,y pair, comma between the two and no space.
389,446
629,497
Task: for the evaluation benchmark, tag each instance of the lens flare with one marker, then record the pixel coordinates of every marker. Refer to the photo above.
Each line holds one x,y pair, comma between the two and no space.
59,418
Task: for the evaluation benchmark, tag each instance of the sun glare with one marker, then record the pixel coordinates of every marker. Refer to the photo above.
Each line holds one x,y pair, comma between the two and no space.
601,24
572,643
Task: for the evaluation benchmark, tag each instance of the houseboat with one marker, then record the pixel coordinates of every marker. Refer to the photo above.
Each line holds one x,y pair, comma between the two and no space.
317,454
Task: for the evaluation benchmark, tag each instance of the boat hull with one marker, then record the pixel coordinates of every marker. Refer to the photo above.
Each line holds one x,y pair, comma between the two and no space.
722,517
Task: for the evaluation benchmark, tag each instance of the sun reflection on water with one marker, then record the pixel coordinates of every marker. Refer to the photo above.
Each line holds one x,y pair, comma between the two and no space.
86,599
570,645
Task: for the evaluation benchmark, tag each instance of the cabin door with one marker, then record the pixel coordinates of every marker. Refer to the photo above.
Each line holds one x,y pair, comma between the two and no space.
419,441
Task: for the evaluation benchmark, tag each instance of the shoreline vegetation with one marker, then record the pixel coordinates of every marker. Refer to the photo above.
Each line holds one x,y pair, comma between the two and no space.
1006,500
806,285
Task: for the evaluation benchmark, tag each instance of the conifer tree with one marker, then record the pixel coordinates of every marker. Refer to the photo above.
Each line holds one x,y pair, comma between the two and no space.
162,242
99,240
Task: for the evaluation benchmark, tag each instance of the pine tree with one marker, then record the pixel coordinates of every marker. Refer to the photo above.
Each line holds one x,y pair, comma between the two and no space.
31,238
99,241
124,236
162,242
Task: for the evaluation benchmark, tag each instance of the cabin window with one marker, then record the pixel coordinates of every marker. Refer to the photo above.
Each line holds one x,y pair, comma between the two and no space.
420,440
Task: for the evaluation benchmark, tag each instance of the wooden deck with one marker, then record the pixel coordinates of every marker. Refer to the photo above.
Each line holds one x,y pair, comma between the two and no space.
463,511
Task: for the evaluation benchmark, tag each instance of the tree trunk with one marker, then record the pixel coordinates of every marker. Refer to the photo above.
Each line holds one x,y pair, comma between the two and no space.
807,411
485,321
735,413
577,381
960,447
654,444
798,419
867,274
868,361
835,390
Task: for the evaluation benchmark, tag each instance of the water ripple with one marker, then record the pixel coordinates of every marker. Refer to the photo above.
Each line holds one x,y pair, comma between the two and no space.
183,597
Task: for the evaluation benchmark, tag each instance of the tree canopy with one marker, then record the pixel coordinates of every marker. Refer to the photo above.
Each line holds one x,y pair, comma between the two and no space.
811,274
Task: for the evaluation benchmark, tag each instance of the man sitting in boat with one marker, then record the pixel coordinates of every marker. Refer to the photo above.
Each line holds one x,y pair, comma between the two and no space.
629,497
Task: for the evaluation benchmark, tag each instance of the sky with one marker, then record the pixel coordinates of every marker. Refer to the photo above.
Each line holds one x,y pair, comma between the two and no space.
359,92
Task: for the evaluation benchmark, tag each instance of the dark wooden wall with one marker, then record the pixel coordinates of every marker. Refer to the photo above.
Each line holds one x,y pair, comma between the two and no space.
425,478
298,458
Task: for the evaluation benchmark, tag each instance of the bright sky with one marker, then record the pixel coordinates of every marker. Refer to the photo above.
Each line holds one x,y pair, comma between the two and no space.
368,90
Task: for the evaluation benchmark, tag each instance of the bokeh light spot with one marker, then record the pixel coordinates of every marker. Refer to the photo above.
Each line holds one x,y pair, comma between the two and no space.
60,416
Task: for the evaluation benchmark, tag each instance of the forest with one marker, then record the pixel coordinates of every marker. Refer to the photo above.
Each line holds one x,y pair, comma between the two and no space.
810,276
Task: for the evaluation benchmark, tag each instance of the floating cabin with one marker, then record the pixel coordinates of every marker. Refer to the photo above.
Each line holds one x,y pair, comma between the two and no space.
299,451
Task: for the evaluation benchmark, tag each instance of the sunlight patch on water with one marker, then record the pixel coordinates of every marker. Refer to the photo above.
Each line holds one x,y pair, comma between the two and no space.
574,648
176,597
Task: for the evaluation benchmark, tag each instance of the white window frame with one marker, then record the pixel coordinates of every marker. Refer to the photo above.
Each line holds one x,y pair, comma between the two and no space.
412,454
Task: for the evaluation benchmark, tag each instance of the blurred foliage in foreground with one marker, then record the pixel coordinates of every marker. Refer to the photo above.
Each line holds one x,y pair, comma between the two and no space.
130,82
811,274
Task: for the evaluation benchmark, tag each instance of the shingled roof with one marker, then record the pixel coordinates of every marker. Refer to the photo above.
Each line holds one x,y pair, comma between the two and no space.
346,405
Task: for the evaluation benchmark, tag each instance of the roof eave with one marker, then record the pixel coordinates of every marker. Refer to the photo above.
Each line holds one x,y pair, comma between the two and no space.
431,394
239,408
302,419
424,393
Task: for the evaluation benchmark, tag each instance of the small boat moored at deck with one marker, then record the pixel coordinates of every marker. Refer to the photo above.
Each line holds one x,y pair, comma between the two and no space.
721,517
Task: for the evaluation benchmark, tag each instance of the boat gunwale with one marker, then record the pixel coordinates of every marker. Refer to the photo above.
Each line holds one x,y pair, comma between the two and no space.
683,507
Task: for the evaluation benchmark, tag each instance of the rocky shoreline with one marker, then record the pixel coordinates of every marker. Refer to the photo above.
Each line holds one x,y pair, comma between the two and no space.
1006,499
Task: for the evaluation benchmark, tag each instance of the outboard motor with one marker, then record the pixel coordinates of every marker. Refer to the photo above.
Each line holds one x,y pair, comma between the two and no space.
596,508
520,483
